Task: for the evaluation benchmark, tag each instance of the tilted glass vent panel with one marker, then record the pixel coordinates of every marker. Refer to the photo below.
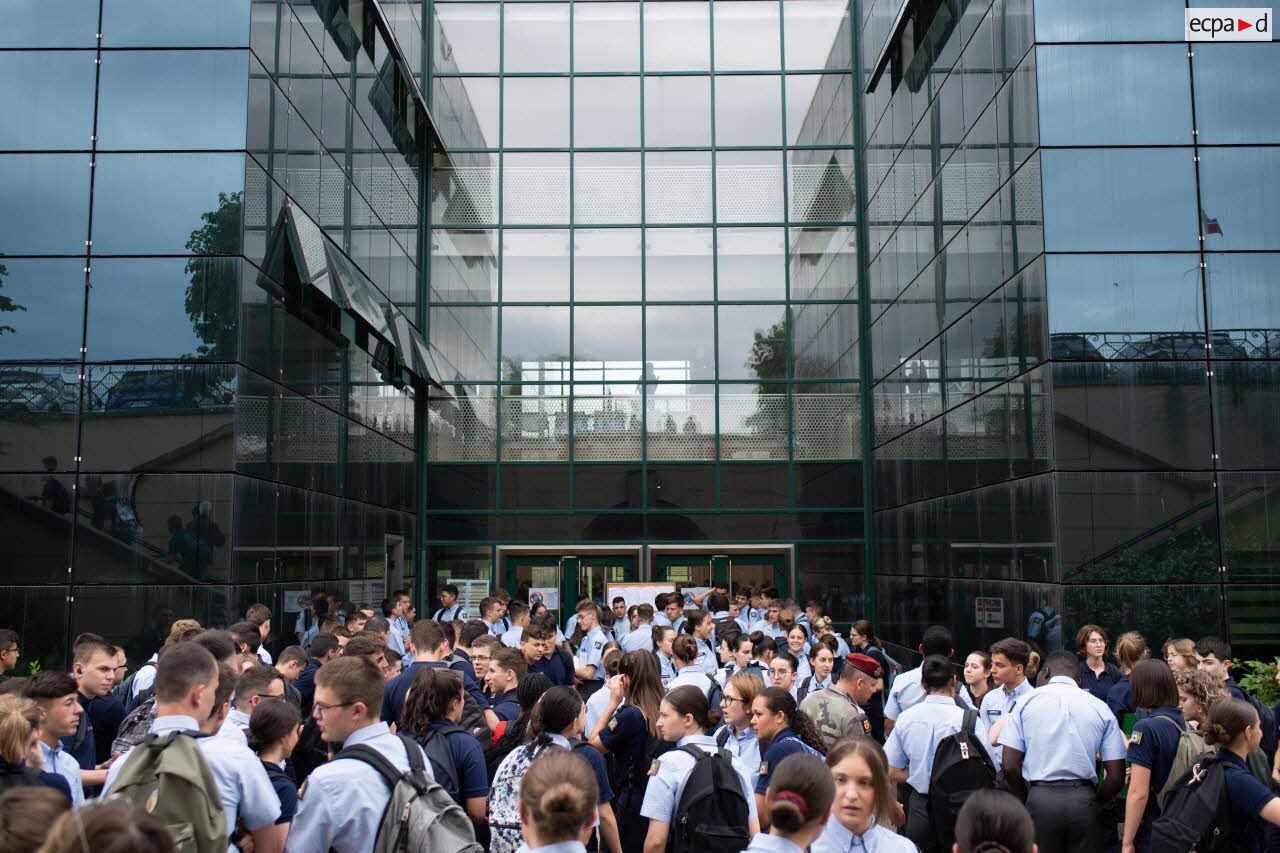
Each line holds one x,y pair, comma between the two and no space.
826,425
753,425
680,426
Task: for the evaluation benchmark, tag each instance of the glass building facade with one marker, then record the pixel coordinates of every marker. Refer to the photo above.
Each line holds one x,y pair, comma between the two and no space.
931,311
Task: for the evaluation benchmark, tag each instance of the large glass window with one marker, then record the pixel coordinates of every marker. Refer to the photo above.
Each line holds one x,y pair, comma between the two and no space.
1102,20
748,186
535,265
535,112
752,341
1236,99
44,203
1236,190
165,23
535,344
677,36
746,36
606,265
466,38
1119,199
606,188
677,186
751,263
606,112
47,100
1133,94
677,111
610,335
678,264
44,300
748,110
1244,305
606,37
147,99
817,33
467,111
535,188
535,37
680,342
27,23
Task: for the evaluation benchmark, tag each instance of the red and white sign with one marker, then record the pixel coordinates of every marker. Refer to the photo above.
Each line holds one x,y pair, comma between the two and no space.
1228,24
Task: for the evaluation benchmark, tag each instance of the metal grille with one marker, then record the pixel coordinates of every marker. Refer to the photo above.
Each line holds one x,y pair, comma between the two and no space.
464,195
606,428
535,428
461,430
678,193
826,426
749,193
535,194
753,426
606,195
681,427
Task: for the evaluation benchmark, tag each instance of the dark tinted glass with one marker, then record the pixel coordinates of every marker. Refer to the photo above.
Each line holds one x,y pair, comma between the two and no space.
461,486
1235,101
41,301
1155,610
38,414
1249,540
1234,190
607,486
42,614
833,484
750,485
1244,305
683,486
1248,404
44,203
168,203
39,511
535,486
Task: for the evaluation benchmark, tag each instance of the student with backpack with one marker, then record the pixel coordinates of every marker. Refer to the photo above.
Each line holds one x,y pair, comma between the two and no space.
783,730
798,799
1219,804
1154,748
821,661
557,803
736,734
430,716
994,822
528,692
1213,655
156,775
1050,740
917,740
863,811
684,653
273,733
699,796
379,785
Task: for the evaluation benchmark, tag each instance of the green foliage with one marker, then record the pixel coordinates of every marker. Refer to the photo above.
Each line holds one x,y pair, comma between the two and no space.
33,667
211,303
1258,679
7,303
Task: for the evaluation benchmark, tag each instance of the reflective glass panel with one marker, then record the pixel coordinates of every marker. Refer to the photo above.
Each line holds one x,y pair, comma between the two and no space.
535,188
1120,199
751,263
677,111
606,112
825,340
466,110
680,422
749,186
1133,94
677,186
753,342
677,36
753,421
606,265
535,343
606,37
464,265
817,34
1236,193
47,101
27,23
819,109
535,112
610,335
160,203
466,38
1244,305
823,263
535,265
467,339
680,342
606,187
678,264
41,302
1235,100
746,36
1102,20
175,23
748,110
536,37
44,203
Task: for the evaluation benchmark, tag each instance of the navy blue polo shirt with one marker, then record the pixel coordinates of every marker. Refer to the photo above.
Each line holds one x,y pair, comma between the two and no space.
86,755
398,688
286,792
1153,745
1099,685
468,762
596,760
306,684
1120,698
1247,797
785,743
556,670
506,706
467,670
627,737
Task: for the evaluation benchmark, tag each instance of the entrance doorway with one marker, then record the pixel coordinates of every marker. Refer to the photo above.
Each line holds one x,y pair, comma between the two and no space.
718,569
575,574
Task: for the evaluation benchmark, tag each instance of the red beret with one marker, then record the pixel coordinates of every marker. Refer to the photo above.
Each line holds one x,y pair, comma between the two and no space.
864,663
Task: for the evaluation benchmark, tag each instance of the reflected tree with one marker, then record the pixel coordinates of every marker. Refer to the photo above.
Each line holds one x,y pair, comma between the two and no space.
213,312
768,360
6,303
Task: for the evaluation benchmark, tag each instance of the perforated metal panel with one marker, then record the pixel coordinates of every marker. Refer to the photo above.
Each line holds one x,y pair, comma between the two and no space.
462,430
607,428
681,427
535,194
464,195
749,193
826,426
606,195
753,426
678,193
821,192
535,428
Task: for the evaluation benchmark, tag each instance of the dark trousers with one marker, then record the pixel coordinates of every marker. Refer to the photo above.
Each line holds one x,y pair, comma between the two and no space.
918,828
1065,817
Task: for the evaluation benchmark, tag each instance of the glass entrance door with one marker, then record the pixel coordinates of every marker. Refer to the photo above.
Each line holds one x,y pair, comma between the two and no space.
727,570
570,576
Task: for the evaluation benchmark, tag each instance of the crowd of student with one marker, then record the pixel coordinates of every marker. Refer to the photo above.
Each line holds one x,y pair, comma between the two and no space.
716,722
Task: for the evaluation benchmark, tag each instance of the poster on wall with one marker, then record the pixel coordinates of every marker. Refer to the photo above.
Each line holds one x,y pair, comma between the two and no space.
548,595
370,591
637,593
470,594
988,612
295,600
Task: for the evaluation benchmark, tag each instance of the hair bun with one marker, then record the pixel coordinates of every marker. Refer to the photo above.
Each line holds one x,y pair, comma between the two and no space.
990,847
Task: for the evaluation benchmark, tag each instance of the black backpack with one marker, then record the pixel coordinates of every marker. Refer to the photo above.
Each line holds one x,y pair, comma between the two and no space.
715,694
961,766
435,743
1196,812
712,814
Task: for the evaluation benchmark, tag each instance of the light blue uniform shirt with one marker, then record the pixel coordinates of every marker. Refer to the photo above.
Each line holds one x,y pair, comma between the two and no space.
56,760
995,704
915,738
775,630
706,661
766,843
558,847
511,637
639,639
247,795
342,802
906,692
743,620
744,745
691,676
1059,728
589,652
235,726
835,838
621,629
449,614
497,628
399,640
571,625
666,667
665,786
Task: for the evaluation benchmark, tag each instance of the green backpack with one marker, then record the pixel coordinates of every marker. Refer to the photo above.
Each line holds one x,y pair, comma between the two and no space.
167,777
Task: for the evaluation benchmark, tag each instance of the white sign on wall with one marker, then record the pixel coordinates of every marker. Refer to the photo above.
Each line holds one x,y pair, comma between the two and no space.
988,612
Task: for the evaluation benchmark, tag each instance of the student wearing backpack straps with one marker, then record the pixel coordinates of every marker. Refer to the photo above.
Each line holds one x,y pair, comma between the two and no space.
798,799
341,806
783,730
199,785
430,717
862,813
914,742
558,804
1050,740
1153,749
699,797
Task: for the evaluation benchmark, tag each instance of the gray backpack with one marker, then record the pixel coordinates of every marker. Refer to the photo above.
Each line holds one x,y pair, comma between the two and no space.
421,817
167,777
1190,751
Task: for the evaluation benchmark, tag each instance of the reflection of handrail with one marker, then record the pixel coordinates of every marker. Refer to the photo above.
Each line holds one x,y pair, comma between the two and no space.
1131,543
